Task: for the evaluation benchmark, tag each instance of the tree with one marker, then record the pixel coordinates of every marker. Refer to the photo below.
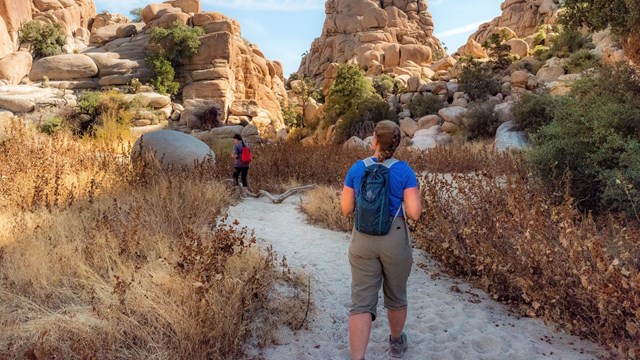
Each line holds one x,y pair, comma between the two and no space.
136,15
623,16
349,87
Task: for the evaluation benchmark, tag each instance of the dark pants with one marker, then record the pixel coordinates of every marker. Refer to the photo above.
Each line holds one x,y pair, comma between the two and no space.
240,171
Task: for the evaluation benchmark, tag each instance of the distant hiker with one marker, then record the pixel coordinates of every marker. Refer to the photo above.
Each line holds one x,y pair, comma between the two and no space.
380,249
242,155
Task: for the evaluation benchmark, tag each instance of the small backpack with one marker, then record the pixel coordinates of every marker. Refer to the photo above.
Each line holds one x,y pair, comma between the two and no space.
372,203
245,155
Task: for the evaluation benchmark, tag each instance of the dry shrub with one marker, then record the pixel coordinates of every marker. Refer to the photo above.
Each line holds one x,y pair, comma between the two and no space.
501,229
95,263
322,206
275,166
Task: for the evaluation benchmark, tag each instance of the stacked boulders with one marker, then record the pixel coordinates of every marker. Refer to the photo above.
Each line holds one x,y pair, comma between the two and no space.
390,36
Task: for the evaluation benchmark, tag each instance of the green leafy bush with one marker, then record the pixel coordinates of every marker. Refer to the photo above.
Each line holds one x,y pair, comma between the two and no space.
292,118
136,15
46,39
477,79
169,47
384,85
164,74
102,114
360,121
481,120
51,125
581,61
425,105
347,90
534,111
595,136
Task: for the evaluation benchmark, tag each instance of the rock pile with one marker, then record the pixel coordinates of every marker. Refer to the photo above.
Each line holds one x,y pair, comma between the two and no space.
387,36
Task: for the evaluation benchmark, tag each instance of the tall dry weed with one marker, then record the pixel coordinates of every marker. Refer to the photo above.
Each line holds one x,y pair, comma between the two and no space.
96,262
322,207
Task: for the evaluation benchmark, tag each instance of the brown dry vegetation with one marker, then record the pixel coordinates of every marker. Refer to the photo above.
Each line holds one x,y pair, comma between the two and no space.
486,219
322,207
97,262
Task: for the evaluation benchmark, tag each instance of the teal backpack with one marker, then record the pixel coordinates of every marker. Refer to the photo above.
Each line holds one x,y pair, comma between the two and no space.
372,202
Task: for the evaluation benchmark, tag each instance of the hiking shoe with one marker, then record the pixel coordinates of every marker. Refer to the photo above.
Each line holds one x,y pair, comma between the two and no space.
397,348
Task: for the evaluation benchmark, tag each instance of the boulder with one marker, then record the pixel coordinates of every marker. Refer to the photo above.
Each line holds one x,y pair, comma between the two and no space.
150,11
14,67
454,115
429,121
509,138
504,111
64,67
473,49
444,64
409,126
6,43
172,149
105,19
519,47
244,108
152,100
549,73
355,142
187,6
226,132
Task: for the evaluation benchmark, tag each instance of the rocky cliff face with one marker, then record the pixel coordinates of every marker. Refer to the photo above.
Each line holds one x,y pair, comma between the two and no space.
71,14
524,17
382,36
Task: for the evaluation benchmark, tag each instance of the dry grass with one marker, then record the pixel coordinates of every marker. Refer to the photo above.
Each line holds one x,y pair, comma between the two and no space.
96,262
322,207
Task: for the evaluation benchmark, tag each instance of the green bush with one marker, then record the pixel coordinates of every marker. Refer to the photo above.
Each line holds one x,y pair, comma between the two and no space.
169,47
97,110
164,74
595,136
477,79
52,125
580,61
481,120
136,15
46,39
566,43
425,105
534,111
292,118
384,85
347,90
361,119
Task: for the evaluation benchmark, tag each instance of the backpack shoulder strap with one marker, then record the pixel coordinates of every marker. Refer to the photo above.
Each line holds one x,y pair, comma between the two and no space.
368,162
389,162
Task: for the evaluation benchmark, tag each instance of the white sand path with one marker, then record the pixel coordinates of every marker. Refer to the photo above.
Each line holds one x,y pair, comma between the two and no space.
442,323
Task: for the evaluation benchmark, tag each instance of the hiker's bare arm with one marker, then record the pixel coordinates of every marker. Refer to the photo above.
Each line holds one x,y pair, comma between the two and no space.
412,203
348,200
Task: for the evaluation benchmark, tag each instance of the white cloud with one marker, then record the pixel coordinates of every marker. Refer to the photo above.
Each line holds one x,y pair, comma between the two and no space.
460,30
270,5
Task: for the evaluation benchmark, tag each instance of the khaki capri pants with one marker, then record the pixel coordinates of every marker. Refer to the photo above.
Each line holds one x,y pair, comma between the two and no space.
380,261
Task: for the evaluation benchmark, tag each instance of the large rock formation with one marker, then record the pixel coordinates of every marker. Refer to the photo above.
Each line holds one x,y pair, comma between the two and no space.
390,36
524,17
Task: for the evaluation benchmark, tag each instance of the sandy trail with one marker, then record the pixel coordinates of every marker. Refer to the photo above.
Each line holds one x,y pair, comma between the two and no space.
447,318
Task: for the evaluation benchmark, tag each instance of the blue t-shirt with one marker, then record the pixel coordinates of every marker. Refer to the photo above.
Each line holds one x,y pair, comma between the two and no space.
401,177
237,149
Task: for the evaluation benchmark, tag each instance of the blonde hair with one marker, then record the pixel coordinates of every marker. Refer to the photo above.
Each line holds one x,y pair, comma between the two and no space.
388,135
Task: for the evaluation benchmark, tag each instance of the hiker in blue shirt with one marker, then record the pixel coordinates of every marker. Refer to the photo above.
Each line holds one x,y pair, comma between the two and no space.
240,167
381,260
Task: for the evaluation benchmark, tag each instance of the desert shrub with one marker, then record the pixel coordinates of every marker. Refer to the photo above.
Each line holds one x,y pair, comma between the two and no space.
349,88
503,232
361,119
99,261
322,207
292,118
51,125
498,50
481,120
164,75
566,43
46,39
425,105
534,111
169,47
477,80
591,136
384,85
580,61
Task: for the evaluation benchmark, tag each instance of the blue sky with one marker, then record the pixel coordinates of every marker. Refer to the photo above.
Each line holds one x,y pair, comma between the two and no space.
284,29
